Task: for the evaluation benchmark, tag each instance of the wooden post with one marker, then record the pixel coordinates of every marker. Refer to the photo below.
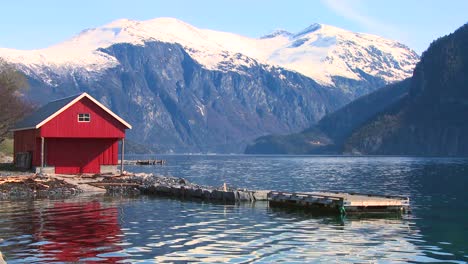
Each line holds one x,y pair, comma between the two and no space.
42,154
122,156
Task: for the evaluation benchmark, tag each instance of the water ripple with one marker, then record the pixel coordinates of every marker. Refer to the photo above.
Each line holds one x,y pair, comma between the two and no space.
158,230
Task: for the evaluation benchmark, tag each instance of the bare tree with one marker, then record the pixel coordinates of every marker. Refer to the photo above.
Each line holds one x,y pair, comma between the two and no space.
12,105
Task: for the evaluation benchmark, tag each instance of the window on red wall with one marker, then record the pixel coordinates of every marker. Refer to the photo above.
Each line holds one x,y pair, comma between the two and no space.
84,117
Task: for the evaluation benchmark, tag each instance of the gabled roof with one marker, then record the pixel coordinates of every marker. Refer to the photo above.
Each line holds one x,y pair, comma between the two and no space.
54,108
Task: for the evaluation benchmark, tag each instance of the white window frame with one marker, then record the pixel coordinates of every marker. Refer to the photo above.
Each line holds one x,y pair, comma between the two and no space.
84,118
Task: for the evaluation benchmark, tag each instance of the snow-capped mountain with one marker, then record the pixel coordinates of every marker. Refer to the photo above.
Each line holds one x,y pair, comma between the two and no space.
320,52
185,89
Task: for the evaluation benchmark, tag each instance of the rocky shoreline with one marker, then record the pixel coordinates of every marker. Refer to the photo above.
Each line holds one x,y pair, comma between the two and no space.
17,185
35,186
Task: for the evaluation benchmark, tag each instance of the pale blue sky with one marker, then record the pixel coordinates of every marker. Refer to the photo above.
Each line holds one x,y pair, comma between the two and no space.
38,24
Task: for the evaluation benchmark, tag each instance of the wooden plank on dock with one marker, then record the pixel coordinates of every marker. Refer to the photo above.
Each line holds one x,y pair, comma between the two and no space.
110,184
355,199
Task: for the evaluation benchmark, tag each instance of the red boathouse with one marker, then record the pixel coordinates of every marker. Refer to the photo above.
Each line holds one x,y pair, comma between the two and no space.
72,135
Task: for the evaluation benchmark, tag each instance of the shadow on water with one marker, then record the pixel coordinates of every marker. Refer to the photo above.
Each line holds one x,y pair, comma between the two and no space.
333,218
440,207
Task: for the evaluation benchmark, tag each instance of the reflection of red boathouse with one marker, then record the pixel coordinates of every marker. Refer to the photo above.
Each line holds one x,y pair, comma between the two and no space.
76,231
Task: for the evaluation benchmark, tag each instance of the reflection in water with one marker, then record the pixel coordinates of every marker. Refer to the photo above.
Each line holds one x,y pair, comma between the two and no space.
144,229
60,231
436,186
76,231
166,230
288,238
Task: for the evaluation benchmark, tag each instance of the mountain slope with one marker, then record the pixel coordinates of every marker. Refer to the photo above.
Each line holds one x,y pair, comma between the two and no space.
175,105
330,133
432,118
423,115
324,53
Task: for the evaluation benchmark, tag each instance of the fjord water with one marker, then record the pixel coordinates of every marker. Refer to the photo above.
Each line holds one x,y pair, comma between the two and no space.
148,229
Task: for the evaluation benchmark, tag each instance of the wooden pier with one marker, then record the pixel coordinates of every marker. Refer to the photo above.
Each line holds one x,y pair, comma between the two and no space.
144,162
341,203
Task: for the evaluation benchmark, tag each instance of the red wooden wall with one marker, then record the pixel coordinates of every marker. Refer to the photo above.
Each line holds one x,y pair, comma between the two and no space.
28,141
80,155
66,124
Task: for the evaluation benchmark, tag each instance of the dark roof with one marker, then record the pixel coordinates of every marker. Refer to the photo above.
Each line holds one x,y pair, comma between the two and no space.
43,113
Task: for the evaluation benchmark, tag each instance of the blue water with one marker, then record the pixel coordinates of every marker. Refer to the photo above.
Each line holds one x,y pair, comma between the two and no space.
103,229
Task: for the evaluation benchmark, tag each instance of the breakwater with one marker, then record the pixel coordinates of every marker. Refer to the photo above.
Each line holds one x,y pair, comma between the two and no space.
151,184
45,186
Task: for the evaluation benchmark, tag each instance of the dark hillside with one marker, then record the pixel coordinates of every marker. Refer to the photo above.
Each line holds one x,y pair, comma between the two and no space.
433,119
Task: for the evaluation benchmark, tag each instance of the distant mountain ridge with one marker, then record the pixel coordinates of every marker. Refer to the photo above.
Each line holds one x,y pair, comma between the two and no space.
186,89
321,52
426,114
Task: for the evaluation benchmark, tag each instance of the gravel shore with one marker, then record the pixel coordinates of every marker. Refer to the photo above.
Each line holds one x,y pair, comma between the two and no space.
35,186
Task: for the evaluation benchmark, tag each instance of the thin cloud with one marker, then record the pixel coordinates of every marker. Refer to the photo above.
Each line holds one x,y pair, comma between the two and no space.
351,9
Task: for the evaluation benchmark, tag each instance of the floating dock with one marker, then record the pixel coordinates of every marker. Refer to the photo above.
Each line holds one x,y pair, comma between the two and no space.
341,203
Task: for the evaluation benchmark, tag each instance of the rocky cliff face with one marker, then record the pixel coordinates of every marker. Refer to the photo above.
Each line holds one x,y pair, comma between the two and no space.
331,132
433,118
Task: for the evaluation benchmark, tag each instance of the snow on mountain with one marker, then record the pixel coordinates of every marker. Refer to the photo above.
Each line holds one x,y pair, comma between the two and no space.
319,51
322,51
